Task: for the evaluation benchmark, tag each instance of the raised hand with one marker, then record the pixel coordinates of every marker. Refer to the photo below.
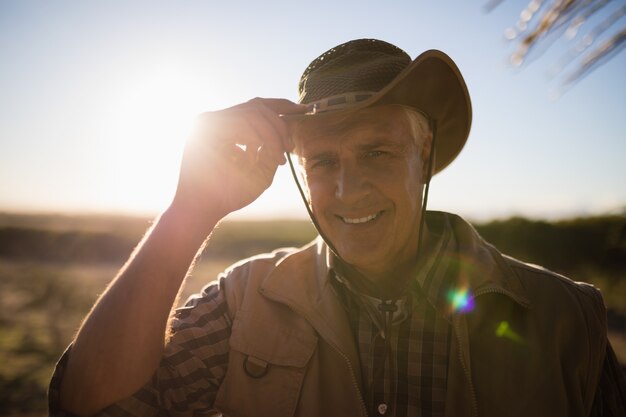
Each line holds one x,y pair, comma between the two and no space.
232,157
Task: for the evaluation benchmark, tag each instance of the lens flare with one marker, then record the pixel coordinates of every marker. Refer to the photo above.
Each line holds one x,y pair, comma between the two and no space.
461,300
504,330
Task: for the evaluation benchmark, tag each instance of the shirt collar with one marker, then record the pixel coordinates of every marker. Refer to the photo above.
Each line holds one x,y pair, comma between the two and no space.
433,281
429,282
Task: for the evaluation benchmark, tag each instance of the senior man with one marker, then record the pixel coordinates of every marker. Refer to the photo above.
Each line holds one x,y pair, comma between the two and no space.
391,311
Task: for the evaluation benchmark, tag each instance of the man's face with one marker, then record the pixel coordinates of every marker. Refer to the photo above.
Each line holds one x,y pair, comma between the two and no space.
364,177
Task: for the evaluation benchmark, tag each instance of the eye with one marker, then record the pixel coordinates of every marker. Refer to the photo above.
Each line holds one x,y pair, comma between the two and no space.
375,154
322,163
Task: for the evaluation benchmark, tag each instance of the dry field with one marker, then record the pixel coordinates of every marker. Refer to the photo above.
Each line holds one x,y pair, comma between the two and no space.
41,307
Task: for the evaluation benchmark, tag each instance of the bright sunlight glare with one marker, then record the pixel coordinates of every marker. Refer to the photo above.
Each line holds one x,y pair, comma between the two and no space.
147,123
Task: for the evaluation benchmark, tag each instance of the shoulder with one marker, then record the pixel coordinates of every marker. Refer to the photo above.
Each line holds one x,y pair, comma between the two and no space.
544,283
534,282
568,310
256,267
249,273
225,294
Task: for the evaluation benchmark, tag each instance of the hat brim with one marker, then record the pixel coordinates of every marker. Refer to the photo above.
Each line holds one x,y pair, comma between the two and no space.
432,84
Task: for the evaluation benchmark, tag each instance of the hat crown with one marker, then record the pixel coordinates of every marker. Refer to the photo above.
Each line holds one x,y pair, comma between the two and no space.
354,66
367,72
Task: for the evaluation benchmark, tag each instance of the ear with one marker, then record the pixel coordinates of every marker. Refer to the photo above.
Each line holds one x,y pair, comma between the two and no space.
425,155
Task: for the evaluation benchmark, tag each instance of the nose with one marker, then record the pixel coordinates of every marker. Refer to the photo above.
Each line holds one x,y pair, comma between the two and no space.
352,184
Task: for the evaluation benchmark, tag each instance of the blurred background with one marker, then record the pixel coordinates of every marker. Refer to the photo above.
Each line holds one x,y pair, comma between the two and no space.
98,98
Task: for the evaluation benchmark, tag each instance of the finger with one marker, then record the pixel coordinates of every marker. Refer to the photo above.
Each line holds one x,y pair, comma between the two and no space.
251,140
266,137
287,110
267,108
277,105
284,106
276,156
260,139
270,108
268,162
234,154
265,128
262,124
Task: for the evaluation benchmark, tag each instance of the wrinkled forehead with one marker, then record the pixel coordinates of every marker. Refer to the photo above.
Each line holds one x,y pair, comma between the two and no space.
372,121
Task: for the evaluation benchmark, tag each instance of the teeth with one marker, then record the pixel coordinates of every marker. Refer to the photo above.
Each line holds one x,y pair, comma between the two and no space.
360,220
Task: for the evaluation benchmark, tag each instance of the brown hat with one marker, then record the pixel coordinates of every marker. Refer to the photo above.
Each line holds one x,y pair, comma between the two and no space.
367,72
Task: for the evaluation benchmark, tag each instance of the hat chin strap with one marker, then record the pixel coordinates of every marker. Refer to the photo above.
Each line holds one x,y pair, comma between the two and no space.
310,211
345,265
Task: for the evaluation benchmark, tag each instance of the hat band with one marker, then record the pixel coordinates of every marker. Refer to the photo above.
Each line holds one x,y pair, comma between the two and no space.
338,102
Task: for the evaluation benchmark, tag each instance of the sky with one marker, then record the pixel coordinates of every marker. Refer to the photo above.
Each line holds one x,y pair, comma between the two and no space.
97,99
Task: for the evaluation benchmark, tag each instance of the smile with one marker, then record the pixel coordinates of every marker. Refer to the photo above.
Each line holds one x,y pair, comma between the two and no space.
360,219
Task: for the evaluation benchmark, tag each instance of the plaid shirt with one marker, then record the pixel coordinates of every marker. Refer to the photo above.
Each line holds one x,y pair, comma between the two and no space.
404,363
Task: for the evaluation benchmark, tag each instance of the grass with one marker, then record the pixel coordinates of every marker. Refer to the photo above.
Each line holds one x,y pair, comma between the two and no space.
42,306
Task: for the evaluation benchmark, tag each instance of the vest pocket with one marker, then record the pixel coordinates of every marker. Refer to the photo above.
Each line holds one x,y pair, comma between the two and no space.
266,366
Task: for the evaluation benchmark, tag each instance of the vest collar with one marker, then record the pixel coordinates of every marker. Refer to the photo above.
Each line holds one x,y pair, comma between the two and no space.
301,282
301,279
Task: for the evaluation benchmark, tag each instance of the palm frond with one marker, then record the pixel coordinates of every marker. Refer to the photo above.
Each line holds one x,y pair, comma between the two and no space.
592,26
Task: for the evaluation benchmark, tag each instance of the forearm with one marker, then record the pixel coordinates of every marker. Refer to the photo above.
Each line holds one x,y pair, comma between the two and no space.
121,342
228,162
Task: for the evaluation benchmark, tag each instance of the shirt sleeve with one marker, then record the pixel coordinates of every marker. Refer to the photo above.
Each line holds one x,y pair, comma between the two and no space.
191,370
610,398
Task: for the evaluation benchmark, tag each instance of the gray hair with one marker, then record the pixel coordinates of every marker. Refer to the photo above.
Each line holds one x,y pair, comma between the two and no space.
418,124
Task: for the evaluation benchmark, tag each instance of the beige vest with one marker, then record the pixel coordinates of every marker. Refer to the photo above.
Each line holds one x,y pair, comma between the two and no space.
533,345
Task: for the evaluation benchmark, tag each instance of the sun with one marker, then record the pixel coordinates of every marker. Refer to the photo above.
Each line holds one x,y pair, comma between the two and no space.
143,123
147,123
